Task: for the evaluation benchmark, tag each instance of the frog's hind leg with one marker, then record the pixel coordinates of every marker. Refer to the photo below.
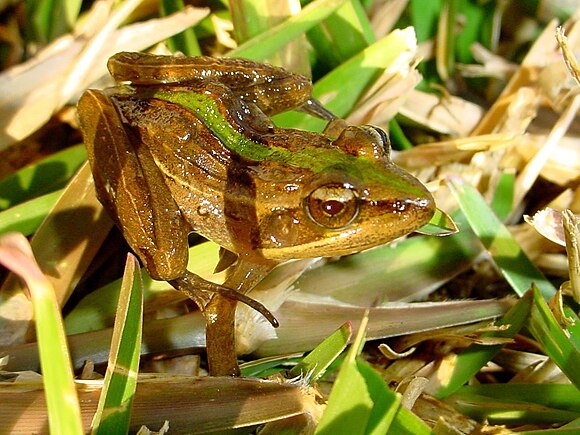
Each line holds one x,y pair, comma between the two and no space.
201,291
132,188
221,315
218,303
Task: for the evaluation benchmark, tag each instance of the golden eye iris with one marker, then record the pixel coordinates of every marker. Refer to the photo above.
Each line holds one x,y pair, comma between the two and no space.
333,205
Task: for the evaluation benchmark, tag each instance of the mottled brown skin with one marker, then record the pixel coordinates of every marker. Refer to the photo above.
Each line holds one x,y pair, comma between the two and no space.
162,173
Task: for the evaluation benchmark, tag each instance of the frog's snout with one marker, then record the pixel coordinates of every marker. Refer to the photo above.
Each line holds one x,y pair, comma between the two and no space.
392,210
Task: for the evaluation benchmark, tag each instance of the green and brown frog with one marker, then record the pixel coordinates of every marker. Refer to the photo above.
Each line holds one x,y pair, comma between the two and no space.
188,146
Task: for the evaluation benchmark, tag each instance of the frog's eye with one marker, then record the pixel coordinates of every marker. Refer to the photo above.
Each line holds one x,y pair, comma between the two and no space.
333,205
380,137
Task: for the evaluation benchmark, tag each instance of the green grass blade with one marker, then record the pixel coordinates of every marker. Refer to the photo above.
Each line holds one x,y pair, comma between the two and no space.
499,411
478,26
503,198
399,140
559,431
186,41
342,35
314,365
360,401
97,309
440,224
424,16
445,39
515,266
49,19
252,17
349,404
114,410
470,361
264,367
269,42
407,423
428,260
64,416
25,218
516,404
558,396
41,178
559,343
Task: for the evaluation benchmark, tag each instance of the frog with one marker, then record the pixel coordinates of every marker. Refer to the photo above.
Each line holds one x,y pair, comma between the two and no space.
186,145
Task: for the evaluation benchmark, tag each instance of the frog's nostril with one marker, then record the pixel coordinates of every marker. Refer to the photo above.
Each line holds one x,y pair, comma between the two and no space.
423,203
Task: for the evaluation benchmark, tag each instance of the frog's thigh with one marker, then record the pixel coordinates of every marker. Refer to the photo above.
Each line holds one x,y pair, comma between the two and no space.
132,191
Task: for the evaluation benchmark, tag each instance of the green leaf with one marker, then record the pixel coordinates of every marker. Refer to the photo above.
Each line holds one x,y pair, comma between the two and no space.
342,35
441,224
472,359
186,41
49,19
558,342
114,410
314,365
514,264
360,401
42,177
267,43
25,218
64,416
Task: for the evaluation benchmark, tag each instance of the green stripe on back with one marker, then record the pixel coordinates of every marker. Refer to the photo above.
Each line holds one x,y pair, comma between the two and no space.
314,159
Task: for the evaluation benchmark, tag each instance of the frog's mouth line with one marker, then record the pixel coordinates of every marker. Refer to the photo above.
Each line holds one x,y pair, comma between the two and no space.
337,244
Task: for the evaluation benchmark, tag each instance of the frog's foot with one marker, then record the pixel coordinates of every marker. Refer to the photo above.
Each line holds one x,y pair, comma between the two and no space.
199,290
315,108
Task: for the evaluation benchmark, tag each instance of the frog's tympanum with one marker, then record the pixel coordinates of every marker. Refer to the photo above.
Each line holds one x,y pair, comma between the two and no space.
188,145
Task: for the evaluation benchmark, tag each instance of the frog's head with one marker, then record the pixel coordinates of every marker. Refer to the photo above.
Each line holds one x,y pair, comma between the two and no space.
354,198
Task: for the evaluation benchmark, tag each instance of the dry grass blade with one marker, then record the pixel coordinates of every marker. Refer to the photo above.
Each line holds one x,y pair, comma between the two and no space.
569,58
191,405
440,153
305,323
69,237
447,114
548,222
383,100
33,91
572,233
535,59
530,173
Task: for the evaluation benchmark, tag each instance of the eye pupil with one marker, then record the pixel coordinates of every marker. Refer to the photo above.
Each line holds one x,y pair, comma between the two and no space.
332,207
